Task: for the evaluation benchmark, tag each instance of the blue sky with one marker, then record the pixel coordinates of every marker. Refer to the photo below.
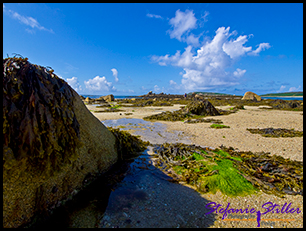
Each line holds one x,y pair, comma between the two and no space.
131,49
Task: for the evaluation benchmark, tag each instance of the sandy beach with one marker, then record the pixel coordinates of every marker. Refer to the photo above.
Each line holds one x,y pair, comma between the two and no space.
236,136
239,138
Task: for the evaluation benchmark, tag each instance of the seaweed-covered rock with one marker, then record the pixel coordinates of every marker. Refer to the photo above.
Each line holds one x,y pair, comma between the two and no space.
286,104
251,96
194,108
202,107
100,100
51,142
109,98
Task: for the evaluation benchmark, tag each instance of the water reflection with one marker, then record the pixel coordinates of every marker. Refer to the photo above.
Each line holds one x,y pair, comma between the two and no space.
154,132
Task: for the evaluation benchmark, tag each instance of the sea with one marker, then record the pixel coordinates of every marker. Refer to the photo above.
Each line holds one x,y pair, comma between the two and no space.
129,96
284,98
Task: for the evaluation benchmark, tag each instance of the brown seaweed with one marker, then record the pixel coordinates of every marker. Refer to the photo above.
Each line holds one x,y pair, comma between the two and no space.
272,174
276,132
128,145
39,123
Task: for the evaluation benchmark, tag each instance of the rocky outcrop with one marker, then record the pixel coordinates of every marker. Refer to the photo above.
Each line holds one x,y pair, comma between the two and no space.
251,96
201,107
109,98
52,144
88,100
100,100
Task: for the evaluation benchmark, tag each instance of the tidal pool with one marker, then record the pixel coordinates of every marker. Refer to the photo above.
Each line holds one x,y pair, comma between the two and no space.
154,132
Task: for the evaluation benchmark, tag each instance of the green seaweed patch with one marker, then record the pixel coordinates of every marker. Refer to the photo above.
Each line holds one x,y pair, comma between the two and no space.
208,171
219,126
276,132
231,172
226,179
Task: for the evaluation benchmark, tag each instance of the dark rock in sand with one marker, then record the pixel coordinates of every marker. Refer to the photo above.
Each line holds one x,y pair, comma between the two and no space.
51,142
286,104
203,107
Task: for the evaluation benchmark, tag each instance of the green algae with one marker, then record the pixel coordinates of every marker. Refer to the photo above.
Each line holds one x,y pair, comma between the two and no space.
219,126
231,172
208,171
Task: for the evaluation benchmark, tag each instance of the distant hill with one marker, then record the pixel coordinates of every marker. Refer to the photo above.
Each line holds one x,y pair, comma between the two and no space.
297,93
208,93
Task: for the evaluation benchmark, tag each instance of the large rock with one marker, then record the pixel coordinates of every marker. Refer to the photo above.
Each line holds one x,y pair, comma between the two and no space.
251,96
52,144
109,98
201,107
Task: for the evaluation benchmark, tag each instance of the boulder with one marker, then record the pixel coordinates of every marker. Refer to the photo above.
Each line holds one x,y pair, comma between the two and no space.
89,100
201,107
251,96
109,98
100,99
52,144
102,102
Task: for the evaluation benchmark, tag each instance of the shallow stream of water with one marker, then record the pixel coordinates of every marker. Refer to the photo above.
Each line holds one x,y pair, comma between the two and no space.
112,200
154,132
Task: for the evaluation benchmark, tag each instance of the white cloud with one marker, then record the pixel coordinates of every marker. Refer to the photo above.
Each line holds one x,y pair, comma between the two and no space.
115,74
206,68
182,22
235,48
261,47
29,21
154,16
294,89
99,84
156,88
193,40
74,83
239,73
174,86
281,88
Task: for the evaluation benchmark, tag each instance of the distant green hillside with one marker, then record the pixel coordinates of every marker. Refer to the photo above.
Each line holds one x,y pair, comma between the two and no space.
208,93
298,93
